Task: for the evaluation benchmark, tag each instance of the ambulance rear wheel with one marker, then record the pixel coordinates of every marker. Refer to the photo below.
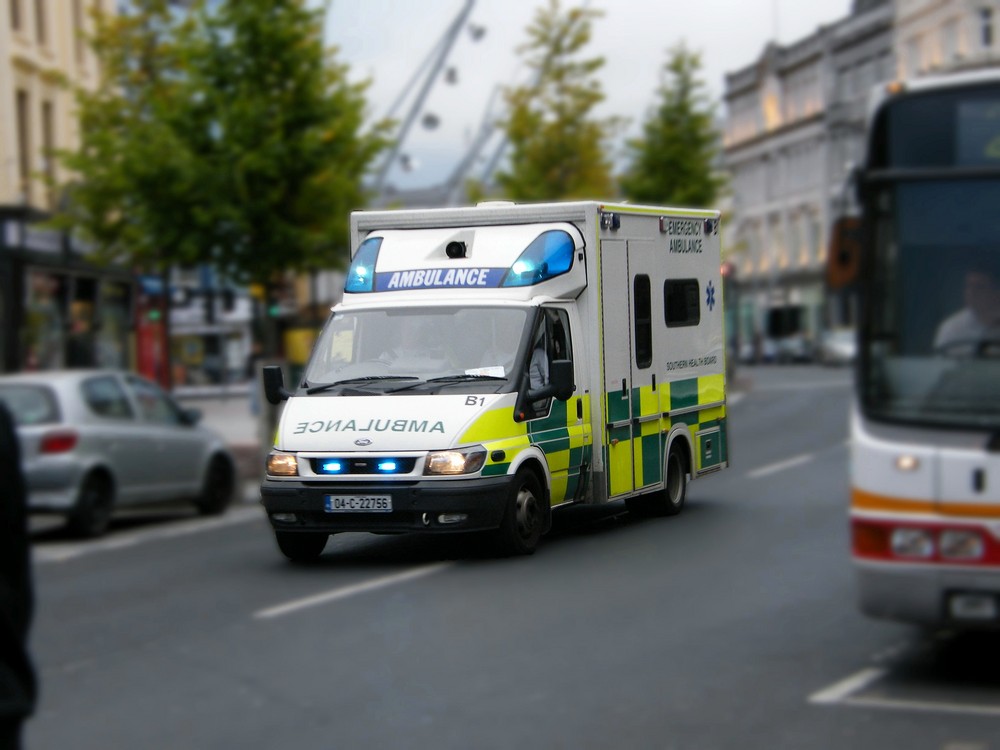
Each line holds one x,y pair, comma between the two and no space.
301,547
670,501
524,516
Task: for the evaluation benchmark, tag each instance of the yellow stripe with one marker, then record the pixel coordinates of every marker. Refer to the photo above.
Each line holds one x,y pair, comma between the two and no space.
861,500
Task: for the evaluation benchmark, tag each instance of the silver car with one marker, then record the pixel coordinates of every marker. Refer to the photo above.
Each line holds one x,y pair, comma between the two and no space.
96,440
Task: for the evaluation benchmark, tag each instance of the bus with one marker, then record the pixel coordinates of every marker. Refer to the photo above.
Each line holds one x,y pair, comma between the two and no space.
925,426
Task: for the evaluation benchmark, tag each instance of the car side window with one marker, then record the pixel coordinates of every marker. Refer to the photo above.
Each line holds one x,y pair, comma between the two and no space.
154,404
105,397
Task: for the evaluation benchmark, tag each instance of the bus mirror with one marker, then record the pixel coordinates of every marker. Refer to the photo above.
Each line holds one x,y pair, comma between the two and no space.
274,384
844,256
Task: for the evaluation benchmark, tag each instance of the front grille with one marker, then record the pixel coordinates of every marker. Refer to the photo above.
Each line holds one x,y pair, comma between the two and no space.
381,466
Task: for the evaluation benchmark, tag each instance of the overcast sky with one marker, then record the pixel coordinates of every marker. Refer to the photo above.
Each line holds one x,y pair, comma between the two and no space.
387,40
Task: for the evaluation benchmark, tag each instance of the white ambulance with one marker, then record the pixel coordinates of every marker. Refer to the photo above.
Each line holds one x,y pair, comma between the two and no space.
491,363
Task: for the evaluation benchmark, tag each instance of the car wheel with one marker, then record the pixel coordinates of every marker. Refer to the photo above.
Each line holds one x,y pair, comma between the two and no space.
301,547
524,517
94,505
668,501
217,490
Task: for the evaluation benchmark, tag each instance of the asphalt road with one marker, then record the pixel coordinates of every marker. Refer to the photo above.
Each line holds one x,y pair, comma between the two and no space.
730,626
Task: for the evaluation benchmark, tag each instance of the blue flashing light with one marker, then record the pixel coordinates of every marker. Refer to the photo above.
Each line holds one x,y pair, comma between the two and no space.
332,467
387,467
361,276
549,255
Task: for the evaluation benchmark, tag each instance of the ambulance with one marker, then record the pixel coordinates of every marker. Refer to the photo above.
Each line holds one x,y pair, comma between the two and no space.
490,364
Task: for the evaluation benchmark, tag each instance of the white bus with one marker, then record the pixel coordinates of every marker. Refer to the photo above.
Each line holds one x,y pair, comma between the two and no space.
925,430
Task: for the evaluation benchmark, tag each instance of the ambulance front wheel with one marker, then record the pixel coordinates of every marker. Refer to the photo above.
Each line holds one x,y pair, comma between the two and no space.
524,516
301,547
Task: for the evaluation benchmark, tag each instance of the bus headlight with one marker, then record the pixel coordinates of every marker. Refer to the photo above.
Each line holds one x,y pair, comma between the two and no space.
961,544
462,461
912,543
282,465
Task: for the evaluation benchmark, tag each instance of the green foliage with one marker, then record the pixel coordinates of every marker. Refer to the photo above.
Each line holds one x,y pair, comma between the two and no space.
558,150
672,163
230,137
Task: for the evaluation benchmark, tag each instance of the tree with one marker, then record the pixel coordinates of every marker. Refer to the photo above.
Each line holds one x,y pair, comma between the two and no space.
227,136
673,162
558,149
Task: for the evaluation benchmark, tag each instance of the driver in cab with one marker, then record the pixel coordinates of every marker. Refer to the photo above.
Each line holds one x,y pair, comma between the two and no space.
978,323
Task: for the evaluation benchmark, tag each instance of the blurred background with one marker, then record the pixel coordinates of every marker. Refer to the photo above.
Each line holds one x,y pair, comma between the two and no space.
176,180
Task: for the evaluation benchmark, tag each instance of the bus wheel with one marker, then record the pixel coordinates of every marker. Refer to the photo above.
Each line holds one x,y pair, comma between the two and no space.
524,517
301,547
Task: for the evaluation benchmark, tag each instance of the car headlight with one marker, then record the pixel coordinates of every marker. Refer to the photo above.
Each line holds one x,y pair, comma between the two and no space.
282,465
460,461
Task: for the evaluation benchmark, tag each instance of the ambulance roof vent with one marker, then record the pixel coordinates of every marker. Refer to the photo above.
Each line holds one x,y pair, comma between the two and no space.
495,204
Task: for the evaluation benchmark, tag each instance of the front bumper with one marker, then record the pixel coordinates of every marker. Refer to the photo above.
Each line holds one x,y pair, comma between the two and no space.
924,594
416,506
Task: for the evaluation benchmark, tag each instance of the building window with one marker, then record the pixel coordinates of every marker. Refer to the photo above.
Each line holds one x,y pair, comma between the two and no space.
40,29
48,148
23,141
15,14
78,46
986,26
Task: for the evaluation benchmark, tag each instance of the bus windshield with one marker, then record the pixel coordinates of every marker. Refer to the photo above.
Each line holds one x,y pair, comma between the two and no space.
388,347
932,329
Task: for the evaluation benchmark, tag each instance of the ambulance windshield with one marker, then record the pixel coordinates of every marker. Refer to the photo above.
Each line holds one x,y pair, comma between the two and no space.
386,350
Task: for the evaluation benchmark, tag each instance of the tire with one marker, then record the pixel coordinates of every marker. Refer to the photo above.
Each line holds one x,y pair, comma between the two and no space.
301,547
217,489
668,501
94,506
524,517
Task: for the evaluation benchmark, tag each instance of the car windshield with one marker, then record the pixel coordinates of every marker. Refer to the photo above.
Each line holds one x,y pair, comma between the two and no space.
388,351
30,404
933,333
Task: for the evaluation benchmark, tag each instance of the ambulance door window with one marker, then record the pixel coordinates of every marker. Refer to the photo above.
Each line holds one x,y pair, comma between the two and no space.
551,340
642,312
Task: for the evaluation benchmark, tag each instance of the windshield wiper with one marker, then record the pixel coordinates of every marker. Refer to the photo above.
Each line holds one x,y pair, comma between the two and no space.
349,381
446,379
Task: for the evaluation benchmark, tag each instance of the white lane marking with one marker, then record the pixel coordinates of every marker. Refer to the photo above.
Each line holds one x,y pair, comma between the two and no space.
734,398
840,691
342,593
774,468
58,553
901,704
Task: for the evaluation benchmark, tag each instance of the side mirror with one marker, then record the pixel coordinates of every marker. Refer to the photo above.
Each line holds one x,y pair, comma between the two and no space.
274,385
561,378
191,416
844,257
560,385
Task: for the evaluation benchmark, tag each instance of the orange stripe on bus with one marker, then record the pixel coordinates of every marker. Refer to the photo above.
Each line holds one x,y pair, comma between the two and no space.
861,500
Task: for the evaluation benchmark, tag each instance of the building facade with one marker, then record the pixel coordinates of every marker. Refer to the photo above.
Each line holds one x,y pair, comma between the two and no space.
795,125
56,309
775,149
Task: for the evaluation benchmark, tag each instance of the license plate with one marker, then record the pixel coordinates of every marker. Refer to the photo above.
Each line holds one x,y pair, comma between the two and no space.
358,504
973,607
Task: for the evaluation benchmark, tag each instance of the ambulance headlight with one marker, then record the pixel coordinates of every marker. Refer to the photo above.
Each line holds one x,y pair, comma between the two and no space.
282,465
459,461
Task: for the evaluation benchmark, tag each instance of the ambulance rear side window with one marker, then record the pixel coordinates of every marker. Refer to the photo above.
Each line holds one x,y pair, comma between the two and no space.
681,302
